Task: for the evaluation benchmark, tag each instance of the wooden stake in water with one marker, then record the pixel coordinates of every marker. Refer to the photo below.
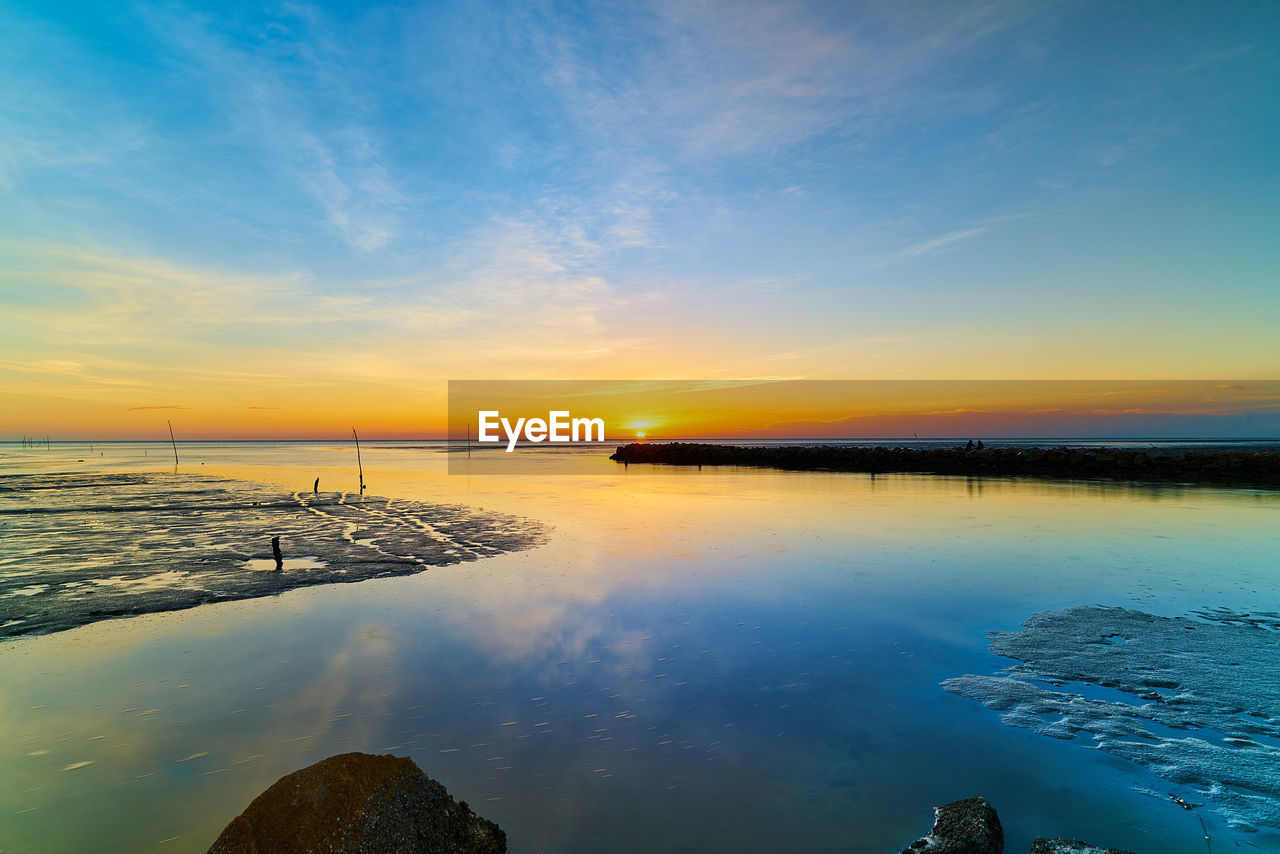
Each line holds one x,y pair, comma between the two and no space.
468,440
358,462
174,441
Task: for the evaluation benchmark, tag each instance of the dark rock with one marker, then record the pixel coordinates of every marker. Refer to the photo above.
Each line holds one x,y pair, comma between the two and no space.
1070,846
358,803
1260,468
970,826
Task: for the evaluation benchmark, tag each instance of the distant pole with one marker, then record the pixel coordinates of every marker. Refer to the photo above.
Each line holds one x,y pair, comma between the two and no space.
174,441
358,462
468,440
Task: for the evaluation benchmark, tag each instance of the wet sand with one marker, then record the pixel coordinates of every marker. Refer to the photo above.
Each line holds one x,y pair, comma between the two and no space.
85,547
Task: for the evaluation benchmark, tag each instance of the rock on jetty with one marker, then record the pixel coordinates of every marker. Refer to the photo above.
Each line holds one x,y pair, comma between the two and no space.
1236,467
971,826
358,803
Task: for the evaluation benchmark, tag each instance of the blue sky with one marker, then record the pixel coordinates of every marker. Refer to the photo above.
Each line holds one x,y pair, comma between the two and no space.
240,203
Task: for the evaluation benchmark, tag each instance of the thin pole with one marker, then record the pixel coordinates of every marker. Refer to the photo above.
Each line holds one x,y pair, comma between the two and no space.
468,440
174,441
358,462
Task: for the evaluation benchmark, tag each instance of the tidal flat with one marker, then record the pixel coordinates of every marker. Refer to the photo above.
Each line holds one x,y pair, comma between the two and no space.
85,547
1193,700
724,659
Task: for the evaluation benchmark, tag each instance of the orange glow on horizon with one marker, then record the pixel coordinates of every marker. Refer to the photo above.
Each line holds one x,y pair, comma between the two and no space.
677,410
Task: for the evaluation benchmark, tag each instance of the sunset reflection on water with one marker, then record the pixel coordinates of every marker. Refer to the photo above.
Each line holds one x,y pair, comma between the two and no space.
695,660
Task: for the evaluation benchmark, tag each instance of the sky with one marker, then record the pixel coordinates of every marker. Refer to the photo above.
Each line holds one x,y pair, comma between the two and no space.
280,220
659,410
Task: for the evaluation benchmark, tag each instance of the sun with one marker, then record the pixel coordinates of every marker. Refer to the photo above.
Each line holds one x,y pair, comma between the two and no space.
642,426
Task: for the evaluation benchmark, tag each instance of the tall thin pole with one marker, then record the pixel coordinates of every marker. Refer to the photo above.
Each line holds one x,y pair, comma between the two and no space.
174,441
358,462
468,440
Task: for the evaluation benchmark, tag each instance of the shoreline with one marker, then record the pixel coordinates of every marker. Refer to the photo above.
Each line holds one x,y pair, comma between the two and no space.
1253,469
100,546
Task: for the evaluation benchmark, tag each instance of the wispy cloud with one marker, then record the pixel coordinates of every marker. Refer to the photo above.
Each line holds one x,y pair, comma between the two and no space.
125,299
66,369
60,120
718,77
296,102
928,247
516,298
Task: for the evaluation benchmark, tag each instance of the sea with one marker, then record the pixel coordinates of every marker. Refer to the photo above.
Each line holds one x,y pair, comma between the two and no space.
721,659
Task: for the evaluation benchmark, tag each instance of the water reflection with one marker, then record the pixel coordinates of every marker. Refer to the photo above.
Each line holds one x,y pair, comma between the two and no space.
694,661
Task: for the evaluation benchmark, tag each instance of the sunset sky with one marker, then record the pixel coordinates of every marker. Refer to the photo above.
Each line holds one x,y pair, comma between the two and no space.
281,223
830,409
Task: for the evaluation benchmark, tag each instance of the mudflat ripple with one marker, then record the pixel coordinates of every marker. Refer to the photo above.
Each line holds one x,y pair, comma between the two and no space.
76,548
1194,700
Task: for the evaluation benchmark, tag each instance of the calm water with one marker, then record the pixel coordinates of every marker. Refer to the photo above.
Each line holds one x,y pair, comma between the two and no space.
743,660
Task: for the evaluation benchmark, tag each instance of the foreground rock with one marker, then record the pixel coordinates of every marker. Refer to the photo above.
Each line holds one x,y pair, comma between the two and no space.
970,826
1069,846
1234,467
1195,701
358,803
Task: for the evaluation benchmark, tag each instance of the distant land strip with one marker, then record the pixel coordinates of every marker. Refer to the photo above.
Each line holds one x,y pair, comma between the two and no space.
1254,468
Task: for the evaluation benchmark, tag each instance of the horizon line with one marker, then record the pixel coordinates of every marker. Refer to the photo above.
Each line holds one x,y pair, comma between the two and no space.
652,440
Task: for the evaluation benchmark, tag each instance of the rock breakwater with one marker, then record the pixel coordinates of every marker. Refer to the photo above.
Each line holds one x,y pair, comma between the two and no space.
1259,468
